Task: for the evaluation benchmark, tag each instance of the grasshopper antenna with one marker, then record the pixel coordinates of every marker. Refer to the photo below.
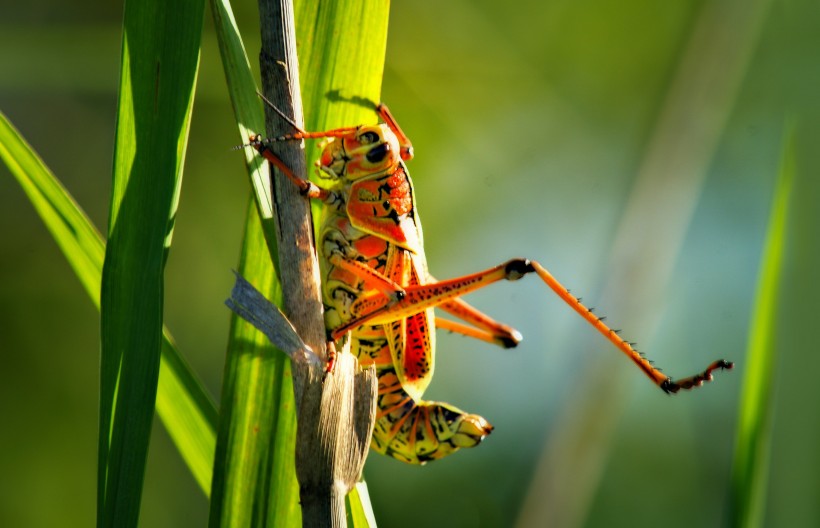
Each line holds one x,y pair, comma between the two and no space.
257,140
281,114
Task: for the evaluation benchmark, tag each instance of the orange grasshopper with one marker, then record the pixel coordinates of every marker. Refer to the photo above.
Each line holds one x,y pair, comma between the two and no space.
375,285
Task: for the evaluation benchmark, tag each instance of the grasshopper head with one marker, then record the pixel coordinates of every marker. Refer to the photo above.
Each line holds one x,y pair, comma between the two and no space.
368,151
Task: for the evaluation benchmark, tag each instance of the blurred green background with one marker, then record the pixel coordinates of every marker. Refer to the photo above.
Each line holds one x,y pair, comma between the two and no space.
631,147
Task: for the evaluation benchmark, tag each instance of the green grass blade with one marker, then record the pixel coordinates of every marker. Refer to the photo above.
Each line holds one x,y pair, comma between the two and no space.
254,484
253,476
359,509
184,407
253,470
341,67
187,412
160,58
74,233
753,444
246,104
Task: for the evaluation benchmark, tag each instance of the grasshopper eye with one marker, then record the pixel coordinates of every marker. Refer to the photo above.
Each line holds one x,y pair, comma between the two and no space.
368,138
378,153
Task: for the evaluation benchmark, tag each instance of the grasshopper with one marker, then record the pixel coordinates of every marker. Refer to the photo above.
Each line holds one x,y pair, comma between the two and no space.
375,285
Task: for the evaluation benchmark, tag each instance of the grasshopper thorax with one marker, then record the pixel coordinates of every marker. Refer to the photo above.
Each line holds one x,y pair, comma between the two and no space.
367,151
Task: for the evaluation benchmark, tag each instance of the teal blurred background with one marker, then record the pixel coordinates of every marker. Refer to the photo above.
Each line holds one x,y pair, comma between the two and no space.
631,147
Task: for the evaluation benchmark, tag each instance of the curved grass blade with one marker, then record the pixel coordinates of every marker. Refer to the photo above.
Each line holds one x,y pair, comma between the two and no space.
160,59
251,483
753,444
72,230
183,405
